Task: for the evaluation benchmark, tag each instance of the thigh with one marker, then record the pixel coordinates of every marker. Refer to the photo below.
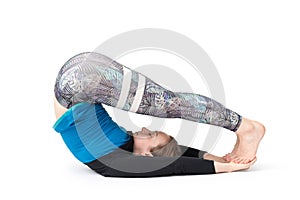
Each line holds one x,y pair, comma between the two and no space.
89,77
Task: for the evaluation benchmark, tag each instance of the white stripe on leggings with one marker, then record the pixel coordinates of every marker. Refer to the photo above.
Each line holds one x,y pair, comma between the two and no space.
139,94
125,87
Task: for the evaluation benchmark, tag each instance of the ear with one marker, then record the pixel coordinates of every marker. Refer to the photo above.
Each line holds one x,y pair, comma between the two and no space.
148,154
144,154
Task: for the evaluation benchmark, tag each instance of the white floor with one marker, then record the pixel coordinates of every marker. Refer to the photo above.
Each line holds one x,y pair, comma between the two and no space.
255,47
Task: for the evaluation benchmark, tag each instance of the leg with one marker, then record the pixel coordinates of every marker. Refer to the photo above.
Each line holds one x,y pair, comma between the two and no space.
160,102
89,77
157,101
95,78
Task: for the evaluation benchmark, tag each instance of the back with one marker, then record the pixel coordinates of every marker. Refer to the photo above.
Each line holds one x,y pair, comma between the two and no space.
89,132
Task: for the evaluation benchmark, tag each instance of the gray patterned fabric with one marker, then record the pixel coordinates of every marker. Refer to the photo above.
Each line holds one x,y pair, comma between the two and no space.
94,78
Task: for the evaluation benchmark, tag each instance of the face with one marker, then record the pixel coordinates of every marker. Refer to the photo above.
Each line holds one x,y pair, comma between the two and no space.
146,141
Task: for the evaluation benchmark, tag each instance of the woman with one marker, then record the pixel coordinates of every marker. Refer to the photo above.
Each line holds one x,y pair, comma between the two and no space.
89,79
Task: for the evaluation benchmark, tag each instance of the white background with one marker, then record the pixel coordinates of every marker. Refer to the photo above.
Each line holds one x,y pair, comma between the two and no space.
255,46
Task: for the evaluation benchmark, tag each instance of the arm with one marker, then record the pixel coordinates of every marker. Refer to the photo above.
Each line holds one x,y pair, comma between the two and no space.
122,163
196,153
192,152
142,166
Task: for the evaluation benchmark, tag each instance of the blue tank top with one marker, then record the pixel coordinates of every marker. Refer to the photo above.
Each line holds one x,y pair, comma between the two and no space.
89,132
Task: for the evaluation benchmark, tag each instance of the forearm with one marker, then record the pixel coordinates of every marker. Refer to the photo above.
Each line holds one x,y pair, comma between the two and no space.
208,156
192,152
141,166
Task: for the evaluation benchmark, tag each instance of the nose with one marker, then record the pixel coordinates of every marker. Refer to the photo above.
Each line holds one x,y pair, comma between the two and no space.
144,129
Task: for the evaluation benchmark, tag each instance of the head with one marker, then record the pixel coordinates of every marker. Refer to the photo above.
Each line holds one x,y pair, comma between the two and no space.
155,143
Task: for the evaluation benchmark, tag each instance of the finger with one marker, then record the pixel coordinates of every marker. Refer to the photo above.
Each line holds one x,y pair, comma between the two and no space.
227,155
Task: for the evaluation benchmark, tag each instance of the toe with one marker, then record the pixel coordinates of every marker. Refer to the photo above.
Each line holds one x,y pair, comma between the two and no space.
237,160
230,157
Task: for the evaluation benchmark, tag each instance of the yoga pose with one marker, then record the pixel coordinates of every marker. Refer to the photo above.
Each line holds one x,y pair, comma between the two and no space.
88,80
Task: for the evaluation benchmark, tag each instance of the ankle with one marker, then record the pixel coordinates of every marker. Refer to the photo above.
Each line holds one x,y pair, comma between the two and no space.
246,126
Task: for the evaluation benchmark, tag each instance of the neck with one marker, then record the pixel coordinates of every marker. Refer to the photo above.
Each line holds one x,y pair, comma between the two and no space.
139,150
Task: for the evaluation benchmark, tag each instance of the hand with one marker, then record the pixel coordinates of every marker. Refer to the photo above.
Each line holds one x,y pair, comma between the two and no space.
231,166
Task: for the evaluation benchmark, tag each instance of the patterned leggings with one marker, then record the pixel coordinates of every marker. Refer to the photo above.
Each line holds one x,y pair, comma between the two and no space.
95,78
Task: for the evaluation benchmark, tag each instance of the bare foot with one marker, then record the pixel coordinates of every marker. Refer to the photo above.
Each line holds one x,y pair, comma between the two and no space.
229,155
249,136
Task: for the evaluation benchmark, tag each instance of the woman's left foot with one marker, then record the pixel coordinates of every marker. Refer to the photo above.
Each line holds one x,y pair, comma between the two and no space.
249,136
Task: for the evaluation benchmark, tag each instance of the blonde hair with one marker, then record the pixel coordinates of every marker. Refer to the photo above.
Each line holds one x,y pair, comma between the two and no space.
171,149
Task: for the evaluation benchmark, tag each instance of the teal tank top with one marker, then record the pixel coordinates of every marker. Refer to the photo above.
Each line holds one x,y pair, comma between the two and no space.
89,132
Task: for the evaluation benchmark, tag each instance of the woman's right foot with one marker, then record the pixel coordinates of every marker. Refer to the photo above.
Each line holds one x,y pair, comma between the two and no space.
249,135
228,155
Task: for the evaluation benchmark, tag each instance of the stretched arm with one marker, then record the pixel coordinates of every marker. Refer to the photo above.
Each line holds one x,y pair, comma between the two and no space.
118,165
143,166
191,152
196,153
